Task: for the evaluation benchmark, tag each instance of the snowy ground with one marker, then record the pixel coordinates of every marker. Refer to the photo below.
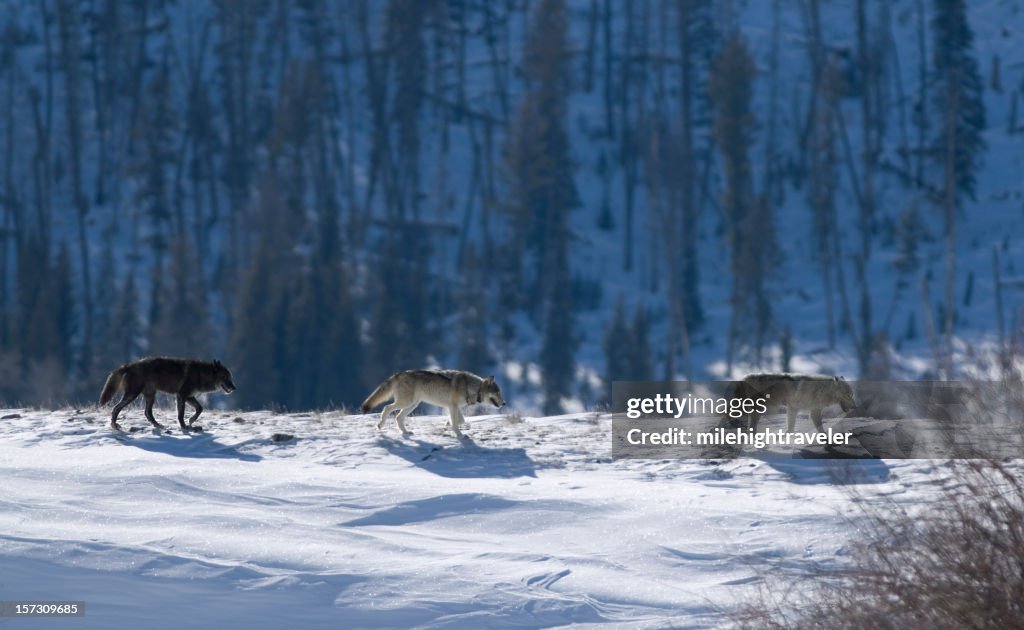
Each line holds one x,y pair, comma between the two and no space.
528,524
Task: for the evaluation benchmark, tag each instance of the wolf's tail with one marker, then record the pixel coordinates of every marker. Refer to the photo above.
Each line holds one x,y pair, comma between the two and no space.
379,395
112,385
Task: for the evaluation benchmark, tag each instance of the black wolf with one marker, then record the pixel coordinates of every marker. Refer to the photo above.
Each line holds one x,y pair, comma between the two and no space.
182,377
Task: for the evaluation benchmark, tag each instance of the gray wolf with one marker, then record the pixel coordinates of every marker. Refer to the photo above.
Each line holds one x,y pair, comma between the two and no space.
811,392
182,377
444,388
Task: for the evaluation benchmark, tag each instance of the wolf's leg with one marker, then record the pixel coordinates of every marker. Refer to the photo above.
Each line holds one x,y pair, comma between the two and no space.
456,418
126,400
181,412
150,399
195,404
790,418
816,418
400,418
384,414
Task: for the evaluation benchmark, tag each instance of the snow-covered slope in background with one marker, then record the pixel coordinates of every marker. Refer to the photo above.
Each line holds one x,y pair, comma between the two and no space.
528,524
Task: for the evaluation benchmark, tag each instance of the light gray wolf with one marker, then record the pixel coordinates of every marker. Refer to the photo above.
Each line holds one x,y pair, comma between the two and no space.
182,377
444,388
794,392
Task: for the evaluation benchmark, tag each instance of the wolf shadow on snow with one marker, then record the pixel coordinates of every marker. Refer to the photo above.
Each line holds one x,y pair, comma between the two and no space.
465,460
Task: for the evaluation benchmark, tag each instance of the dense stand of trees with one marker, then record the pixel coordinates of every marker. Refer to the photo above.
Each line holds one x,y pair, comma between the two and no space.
321,193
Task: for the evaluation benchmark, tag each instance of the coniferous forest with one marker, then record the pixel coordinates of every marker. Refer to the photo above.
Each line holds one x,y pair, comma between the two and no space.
560,192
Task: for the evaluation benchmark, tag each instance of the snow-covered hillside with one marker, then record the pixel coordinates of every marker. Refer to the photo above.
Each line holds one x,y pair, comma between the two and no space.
527,524
213,154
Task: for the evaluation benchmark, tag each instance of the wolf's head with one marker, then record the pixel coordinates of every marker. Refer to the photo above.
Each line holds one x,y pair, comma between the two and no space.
491,393
222,376
844,393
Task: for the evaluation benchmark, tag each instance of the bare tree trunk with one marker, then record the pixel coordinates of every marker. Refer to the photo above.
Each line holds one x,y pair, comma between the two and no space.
949,207
678,337
627,142
588,66
1001,326
68,16
867,206
688,168
11,198
929,324
921,110
768,184
609,82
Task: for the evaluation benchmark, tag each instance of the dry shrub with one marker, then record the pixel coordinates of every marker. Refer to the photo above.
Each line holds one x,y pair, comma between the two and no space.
957,562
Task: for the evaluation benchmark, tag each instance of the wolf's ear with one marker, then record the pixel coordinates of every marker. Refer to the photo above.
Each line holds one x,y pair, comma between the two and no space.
835,378
217,362
489,380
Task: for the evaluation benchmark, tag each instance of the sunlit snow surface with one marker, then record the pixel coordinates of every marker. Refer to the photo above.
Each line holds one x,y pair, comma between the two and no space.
527,524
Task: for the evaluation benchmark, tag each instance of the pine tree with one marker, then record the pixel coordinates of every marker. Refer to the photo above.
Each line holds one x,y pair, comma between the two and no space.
180,325
46,322
959,144
697,39
155,129
748,216
63,308
323,335
543,193
105,354
824,178
557,349
641,367
125,328
474,355
256,349
343,370
398,325
618,353
540,166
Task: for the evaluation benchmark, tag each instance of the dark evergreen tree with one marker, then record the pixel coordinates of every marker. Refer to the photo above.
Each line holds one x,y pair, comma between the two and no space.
543,193
557,349
472,300
748,216
641,367
126,328
180,325
46,323
823,177
697,39
618,351
398,323
105,355
256,350
959,143
540,166
62,302
324,345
